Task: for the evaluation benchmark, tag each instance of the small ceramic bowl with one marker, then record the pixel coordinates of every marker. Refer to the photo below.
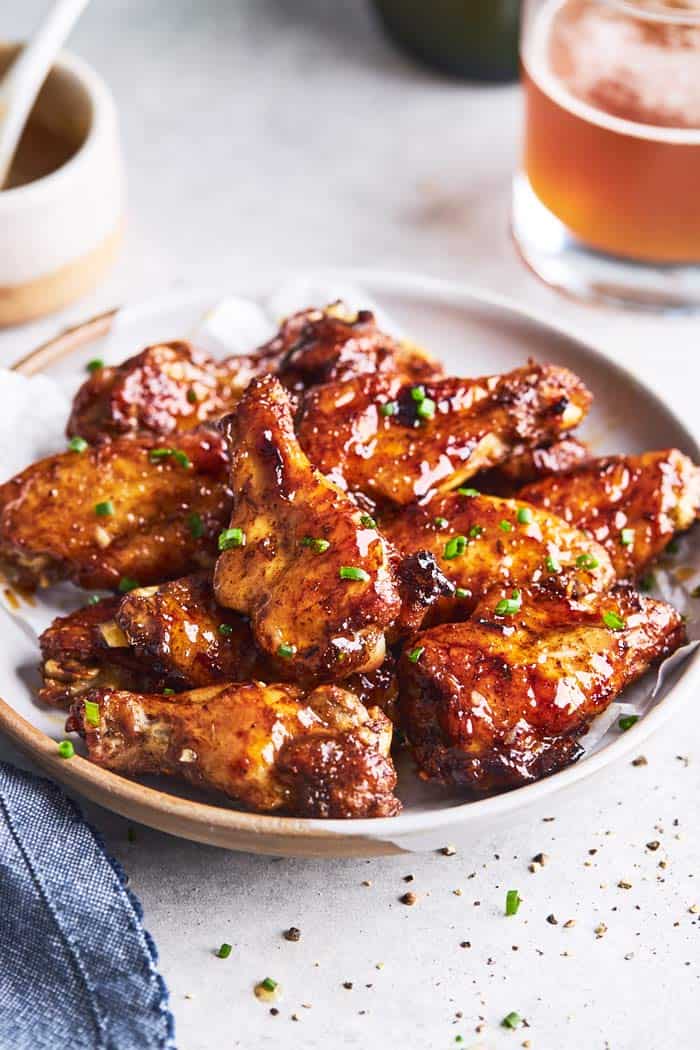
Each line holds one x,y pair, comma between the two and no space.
59,233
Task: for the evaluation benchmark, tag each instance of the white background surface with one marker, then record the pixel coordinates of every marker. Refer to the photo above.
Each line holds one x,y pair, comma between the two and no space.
272,133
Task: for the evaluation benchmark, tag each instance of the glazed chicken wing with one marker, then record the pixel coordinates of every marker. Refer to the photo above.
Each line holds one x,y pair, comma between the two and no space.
632,505
397,443
271,747
481,541
503,698
532,464
121,513
310,570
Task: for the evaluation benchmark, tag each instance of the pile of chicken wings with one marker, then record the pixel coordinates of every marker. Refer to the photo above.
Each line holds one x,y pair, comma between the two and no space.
327,541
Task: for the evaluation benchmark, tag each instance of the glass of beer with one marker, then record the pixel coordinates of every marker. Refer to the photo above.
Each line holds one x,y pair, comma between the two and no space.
607,203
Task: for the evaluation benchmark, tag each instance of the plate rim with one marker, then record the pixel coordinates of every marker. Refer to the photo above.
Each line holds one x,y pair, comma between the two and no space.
383,834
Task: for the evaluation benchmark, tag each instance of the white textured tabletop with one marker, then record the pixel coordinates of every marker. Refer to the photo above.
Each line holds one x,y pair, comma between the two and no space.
272,133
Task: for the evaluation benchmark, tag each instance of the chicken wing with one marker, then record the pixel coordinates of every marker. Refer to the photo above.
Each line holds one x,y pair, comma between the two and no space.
271,747
398,443
118,514
503,698
632,505
481,541
310,570
532,464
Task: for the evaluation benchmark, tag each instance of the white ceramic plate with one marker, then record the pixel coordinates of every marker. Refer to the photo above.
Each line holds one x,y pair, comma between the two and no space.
474,334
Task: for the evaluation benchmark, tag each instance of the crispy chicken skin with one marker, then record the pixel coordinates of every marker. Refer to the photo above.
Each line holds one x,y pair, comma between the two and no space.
480,541
532,464
652,497
501,700
327,607
119,511
376,436
271,747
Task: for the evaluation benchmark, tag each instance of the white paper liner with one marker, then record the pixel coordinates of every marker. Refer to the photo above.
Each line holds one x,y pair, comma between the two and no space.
33,421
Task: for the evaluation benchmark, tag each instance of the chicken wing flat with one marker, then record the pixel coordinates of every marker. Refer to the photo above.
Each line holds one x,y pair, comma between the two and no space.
632,505
310,570
271,747
481,541
532,464
122,513
503,698
397,443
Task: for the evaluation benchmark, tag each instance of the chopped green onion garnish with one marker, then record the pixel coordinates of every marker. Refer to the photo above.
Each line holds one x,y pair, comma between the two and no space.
627,721
441,523
389,408
66,749
673,547
647,582
415,654
462,592
468,492
224,951
225,628
418,393
77,444
512,902
195,525
552,564
168,691
268,984
94,599
286,650
165,453
192,396
349,572
524,515
92,713
511,1020
231,538
509,606
182,458
454,547
127,584
95,364
505,526
613,620
475,531
104,510
426,408
587,561
627,537
368,521
318,545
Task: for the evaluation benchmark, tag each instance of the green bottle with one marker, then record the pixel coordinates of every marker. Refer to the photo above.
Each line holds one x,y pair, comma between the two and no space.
472,39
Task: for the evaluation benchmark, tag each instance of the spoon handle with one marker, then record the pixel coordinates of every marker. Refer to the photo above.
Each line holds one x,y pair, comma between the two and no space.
23,81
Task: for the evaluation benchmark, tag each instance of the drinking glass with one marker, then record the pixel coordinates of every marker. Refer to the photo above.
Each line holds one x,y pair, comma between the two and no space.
606,205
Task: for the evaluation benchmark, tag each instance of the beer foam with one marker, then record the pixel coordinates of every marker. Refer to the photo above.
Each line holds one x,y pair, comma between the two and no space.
634,76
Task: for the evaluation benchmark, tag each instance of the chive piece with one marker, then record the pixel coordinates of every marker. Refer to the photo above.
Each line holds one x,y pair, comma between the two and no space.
95,364
168,691
587,561
182,459
192,396
368,521
454,547
476,531
426,408
418,393
318,545
647,582
441,523
224,951
505,526
66,749
462,592
177,454
268,984
695,593
389,408
512,902
225,628
524,515
415,654
195,525
509,606
627,537
468,492
105,509
286,650
552,564
94,599
349,572
231,538
92,713
673,547
627,721
128,584
77,444
511,1020
613,620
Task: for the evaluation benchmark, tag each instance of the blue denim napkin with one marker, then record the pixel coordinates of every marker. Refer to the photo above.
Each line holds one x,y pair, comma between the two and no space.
77,968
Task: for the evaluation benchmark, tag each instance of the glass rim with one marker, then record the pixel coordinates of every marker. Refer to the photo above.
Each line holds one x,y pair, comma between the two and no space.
662,13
